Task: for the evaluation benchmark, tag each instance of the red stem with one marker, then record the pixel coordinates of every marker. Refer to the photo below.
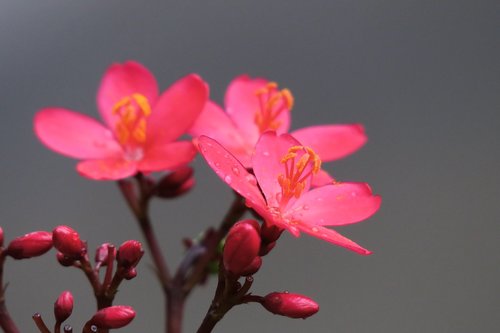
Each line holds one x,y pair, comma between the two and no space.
6,322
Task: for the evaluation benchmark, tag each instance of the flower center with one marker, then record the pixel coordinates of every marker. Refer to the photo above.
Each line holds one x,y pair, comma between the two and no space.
300,163
130,129
272,102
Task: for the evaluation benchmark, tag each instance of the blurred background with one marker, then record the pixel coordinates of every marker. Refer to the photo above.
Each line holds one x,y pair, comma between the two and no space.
422,76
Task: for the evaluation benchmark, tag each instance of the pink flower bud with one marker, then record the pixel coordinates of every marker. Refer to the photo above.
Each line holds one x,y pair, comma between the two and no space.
1,237
253,267
176,183
68,242
113,317
63,306
30,245
290,305
129,253
241,247
101,254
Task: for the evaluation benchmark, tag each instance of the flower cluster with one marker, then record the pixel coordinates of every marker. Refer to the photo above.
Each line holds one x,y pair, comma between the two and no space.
276,174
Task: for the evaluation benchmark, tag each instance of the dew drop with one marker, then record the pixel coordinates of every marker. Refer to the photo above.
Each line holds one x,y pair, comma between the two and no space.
286,292
265,153
236,170
217,164
228,179
251,179
314,229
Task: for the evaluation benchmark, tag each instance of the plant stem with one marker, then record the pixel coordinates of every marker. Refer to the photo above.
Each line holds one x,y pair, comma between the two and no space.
6,322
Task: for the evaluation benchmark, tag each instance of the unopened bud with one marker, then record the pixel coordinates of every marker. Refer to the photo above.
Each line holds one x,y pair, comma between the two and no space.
68,242
1,236
102,252
30,245
129,253
241,247
290,305
113,317
64,260
130,274
63,306
176,183
253,267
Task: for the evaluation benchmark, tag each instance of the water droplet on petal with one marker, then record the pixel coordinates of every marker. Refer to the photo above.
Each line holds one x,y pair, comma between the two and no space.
217,164
251,179
236,170
314,229
265,153
228,179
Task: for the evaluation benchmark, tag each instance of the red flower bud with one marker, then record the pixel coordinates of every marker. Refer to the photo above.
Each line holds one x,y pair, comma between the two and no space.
290,305
253,267
63,306
176,183
113,317
30,245
68,242
241,247
101,254
64,260
129,253
1,237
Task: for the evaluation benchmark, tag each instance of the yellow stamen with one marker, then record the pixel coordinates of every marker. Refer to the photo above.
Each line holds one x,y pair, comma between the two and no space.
272,102
133,110
300,164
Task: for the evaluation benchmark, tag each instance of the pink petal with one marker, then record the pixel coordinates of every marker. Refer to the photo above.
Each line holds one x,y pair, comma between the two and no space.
230,170
332,236
216,124
322,178
332,142
266,163
108,169
176,110
121,80
74,134
167,157
336,204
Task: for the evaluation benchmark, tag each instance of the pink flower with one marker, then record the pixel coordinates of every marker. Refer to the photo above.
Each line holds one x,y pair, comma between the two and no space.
280,191
254,106
140,128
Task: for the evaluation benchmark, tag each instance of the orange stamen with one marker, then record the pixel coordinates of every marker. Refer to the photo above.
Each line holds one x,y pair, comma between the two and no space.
133,110
272,102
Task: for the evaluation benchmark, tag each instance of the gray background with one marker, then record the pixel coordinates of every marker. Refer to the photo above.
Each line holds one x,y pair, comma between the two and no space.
422,76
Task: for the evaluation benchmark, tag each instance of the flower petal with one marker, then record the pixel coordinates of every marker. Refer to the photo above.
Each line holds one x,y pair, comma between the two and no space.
332,236
322,178
167,157
176,110
74,134
216,124
121,80
332,142
230,170
336,204
107,169
266,162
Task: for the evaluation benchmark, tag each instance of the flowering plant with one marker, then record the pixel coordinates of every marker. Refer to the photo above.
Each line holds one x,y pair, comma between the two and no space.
276,176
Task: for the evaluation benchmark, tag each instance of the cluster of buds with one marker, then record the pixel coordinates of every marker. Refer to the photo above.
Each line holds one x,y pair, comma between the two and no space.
244,247
108,318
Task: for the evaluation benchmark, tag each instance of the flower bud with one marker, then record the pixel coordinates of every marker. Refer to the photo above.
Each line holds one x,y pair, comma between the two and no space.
63,306
68,242
1,236
102,252
290,305
64,260
253,267
129,253
241,247
113,317
30,245
176,183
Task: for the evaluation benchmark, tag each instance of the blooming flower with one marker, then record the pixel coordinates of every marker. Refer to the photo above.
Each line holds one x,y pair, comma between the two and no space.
254,106
280,190
140,128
